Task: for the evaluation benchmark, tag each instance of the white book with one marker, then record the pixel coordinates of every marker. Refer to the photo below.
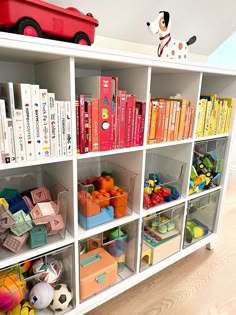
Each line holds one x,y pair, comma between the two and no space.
37,121
22,97
58,123
19,135
68,128
7,93
45,123
53,125
63,127
6,157
11,140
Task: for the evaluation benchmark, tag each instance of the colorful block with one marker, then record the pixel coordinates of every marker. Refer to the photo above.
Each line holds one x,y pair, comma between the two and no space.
38,236
55,224
15,243
40,194
22,224
42,211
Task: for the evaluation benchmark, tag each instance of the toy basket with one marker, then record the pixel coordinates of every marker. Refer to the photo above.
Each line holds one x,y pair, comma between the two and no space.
161,235
201,217
105,192
207,166
162,172
33,210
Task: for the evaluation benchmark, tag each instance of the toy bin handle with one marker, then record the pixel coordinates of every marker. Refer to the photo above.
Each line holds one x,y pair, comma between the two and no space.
101,278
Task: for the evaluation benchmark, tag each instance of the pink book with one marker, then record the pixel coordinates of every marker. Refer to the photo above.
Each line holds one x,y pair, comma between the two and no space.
137,125
114,112
95,134
82,134
130,106
142,112
122,117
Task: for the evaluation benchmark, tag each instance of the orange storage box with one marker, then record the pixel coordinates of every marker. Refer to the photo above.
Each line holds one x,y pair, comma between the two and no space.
98,270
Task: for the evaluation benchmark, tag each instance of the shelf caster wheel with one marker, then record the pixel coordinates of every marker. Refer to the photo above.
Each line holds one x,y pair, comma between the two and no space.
211,245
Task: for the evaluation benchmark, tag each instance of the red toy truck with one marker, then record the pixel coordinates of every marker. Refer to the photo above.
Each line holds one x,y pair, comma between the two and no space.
40,19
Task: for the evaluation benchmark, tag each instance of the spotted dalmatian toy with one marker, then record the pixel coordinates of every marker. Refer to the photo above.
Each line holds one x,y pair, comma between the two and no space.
169,47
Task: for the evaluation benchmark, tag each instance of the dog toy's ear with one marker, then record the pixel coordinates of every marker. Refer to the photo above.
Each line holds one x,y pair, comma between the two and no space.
166,17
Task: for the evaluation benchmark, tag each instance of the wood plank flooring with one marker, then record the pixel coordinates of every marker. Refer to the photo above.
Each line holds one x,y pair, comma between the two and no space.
203,283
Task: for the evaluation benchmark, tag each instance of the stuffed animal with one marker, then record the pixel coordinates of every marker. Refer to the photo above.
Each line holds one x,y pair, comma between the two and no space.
169,47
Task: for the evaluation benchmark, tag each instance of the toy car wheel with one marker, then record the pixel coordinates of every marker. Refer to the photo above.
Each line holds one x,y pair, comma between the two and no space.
29,28
82,39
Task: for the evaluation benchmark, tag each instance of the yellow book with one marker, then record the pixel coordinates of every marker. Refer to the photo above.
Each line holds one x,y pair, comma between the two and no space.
228,115
182,119
219,117
153,120
209,105
201,117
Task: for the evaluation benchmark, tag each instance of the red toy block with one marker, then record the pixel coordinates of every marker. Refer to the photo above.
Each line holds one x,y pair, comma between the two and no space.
55,224
102,197
42,211
40,194
15,243
87,205
106,183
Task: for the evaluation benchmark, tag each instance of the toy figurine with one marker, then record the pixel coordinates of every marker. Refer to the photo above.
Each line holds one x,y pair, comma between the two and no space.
169,47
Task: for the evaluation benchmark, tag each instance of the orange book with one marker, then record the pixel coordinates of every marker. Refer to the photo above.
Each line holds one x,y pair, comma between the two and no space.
172,127
153,120
182,119
187,121
160,121
190,133
167,115
177,119
170,118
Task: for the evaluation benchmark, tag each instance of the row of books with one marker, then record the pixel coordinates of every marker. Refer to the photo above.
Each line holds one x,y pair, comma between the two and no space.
170,120
33,124
107,118
214,115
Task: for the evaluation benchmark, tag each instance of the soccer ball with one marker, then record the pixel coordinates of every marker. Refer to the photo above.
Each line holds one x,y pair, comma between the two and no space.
62,298
24,309
12,290
41,295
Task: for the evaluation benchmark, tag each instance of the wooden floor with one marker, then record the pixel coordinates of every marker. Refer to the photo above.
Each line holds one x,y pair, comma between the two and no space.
203,283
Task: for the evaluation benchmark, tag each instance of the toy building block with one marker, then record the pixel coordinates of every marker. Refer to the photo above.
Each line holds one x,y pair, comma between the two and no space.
4,203
38,236
146,253
6,218
105,182
87,205
28,202
42,211
95,243
55,224
106,215
119,200
8,193
15,243
3,236
41,194
23,223
102,197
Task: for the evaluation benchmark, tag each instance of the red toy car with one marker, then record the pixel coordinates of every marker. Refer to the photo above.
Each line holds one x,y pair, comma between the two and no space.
40,19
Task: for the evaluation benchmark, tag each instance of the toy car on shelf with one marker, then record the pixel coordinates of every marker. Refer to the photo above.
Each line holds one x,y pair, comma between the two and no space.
40,19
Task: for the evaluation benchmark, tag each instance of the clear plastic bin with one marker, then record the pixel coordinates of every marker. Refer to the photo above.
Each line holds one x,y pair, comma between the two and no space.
161,235
105,193
112,253
27,221
208,163
163,179
56,269
201,217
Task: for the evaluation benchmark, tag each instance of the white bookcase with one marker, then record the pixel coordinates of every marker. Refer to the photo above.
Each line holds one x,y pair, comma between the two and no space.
55,65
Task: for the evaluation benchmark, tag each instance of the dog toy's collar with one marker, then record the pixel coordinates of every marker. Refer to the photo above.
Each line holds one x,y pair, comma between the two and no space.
160,49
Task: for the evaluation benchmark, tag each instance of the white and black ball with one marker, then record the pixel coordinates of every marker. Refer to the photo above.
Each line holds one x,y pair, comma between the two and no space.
62,297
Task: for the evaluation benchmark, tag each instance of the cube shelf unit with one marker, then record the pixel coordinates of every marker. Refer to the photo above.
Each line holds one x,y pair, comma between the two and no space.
55,65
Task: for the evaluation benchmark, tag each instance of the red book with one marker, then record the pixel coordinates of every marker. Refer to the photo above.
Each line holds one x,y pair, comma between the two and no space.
77,109
130,106
94,126
121,102
114,112
137,126
82,134
89,108
142,112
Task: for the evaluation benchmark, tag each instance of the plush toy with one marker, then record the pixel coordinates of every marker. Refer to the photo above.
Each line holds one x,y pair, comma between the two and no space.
169,47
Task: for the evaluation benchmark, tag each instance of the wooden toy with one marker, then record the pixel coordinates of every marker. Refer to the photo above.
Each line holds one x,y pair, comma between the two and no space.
169,47
40,194
146,253
12,290
55,224
119,200
37,18
38,236
15,243
42,211
22,224
98,270
94,243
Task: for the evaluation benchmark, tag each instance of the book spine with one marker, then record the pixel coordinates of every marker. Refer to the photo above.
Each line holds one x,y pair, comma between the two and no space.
63,127
167,117
69,148
143,114
89,126
4,127
207,118
58,124
138,121
28,122
77,109
153,122
114,112
130,103
11,140
172,126
171,103
19,136
177,120
105,104
82,136
45,123
37,123
94,127
122,118
52,125
191,122
187,121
